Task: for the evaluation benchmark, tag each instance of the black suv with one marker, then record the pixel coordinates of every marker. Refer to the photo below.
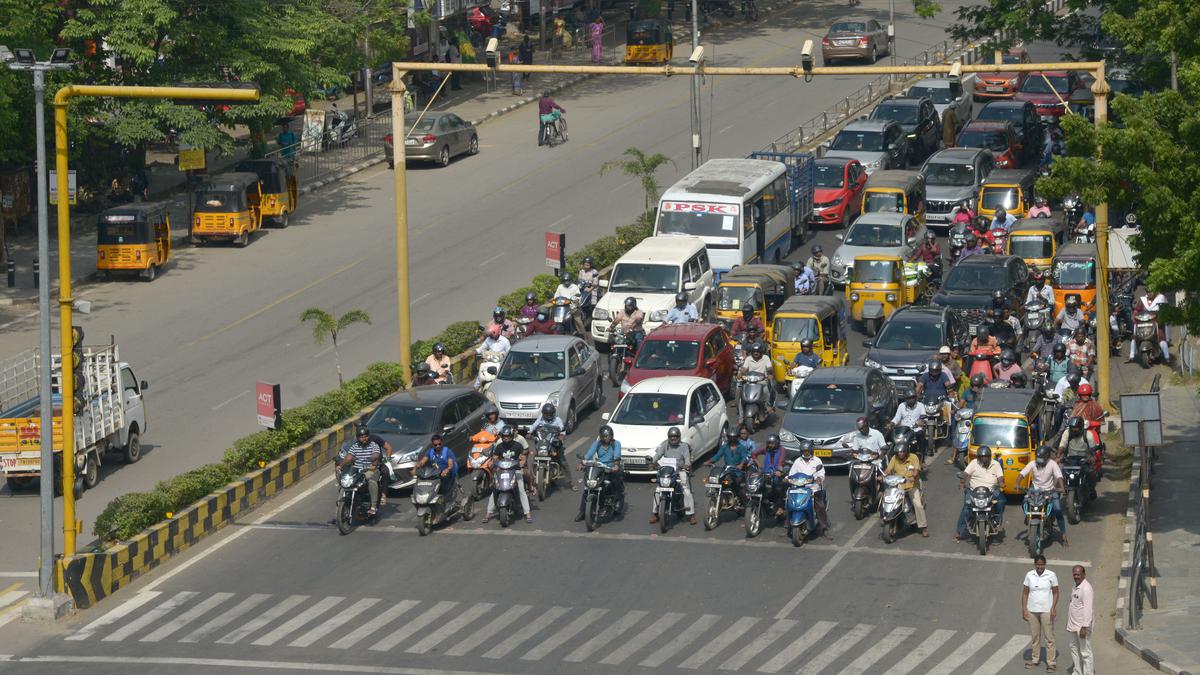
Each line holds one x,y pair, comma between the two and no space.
967,289
919,119
1026,122
909,339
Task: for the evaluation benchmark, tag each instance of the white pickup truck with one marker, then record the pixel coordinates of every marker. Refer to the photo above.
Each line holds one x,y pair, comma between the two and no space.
111,415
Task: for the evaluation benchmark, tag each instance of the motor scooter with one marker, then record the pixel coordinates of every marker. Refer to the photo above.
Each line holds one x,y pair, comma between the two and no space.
801,512
341,128
895,510
864,484
753,400
508,477
1145,331
1037,314
982,363
489,370
798,375
563,313
433,508
479,463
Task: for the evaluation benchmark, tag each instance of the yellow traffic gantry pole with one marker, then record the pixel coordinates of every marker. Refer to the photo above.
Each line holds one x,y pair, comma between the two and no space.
1101,90
71,526
400,176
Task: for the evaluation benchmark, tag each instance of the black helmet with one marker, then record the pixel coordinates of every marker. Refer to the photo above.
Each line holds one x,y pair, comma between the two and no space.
748,308
439,347
1073,378
935,368
531,297
490,409
731,433
972,240
1018,380
1008,357
817,249
773,441
1080,331
588,260
978,380
983,333
507,431
1047,329
1060,349
423,368
673,432
1000,212
758,348
1075,423
806,344
806,448
630,304
567,280
1043,455
545,94
1072,301
984,454
606,434
797,267
361,431
681,297
548,409
498,313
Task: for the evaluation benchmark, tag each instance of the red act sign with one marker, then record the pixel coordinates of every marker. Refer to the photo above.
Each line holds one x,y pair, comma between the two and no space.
701,207
555,242
267,404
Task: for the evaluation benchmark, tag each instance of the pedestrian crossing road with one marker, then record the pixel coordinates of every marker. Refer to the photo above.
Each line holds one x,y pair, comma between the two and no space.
511,635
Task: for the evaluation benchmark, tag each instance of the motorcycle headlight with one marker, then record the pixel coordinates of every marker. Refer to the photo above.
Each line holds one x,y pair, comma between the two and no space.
891,297
658,315
592,483
871,363
600,314
346,480
664,481
874,165
787,436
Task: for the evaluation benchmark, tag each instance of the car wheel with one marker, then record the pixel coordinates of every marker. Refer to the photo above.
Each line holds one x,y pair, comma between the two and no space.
473,146
598,396
874,55
570,422
444,156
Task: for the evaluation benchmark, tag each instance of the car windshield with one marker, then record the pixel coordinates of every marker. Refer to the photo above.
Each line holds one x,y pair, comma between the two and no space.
939,95
904,114
848,27
830,176
995,113
426,124
1010,58
887,202
645,278
1031,246
858,141
874,271
1036,84
1000,432
955,175
998,197
796,329
650,410
721,229
978,278
829,399
733,297
668,355
922,335
1074,273
992,140
402,419
533,366
873,234
1126,87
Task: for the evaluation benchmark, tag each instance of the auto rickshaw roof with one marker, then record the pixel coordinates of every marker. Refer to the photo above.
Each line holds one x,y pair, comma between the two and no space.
820,305
895,179
225,182
880,257
1009,177
1011,401
768,275
139,209
264,164
1038,225
1077,250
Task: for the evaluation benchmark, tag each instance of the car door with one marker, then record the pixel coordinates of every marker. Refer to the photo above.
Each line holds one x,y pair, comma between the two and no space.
695,433
591,372
933,125
897,148
878,35
452,426
131,395
475,419
713,414
577,375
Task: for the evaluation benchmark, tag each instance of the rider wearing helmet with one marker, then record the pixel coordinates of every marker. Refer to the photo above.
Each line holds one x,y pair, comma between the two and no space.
804,279
424,375
1041,209
928,251
439,363
970,248
807,463
1007,367
681,453
568,289
508,448
1085,406
806,356
984,343
1043,344
1018,380
589,282
757,361
365,454
1045,474
1040,290
935,382
1057,363
819,263
605,450
683,311
631,319
774,457
1077,444
551,419
908,466
1003,219
530,309
748,325
1070,317
499,318
981,472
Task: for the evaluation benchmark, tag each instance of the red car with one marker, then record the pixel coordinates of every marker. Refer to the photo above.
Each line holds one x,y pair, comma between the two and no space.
1047,90
999,137
837,199
698,349
1005,84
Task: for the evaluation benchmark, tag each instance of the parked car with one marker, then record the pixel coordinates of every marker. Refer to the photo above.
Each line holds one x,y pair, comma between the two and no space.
877,144
1002,85
909,339
558,369
695,349
651,407
920,120
952,176
1024,117
437,138
839,184
878,233
856,37
967,289
998,137
946,93
827,405
1047,89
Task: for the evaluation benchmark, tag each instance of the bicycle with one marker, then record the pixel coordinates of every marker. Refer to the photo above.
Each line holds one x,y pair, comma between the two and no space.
750,10
556,128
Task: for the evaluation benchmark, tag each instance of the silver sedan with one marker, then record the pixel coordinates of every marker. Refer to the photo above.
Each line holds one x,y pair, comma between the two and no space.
436,137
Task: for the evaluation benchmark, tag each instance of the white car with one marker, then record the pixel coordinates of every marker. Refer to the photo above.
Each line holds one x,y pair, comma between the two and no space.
642,418
946,92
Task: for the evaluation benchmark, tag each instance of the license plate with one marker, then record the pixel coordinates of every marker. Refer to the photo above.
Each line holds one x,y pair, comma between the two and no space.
996,89
822,452
634,461
410,141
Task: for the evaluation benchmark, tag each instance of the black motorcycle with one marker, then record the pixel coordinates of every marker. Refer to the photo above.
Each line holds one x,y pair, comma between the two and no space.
721,490
600,501
756,506
982,519
864,484
1079,489
354,499
546,467
668,489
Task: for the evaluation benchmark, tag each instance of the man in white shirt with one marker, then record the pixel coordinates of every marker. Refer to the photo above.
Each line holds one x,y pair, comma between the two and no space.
1039,606
865,438
981,472
1064,383
808,464
568,289
911,414
1080,618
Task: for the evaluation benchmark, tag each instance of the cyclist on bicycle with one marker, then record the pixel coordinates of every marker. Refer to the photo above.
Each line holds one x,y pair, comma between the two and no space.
547,114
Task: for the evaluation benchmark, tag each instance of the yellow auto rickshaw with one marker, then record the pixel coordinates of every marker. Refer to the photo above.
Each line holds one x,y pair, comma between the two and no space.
1035,240
819,318
1074,273
134,238
227,207
881,284
1009,189
895,191
648,41
280,190
766,286
1009,422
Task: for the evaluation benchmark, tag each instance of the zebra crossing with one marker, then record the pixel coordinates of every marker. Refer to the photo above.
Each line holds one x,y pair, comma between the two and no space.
527,633
11,599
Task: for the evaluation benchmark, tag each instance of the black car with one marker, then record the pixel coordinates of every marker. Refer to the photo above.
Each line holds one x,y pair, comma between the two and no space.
909,339
920,121
827,405
967,289
1026,122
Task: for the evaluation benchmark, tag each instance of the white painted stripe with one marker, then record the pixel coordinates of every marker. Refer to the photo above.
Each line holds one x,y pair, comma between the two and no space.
816,579
376,623
726,637
533,629
458,623
565,633
170,627
234,636
150,617
915,656
480,636
413,627
1007,652
225,618
951,663
759,644
644,637
812,636
115,615
246,665
610,633
333,623
296,622
687,637
835,651
11,597
890,643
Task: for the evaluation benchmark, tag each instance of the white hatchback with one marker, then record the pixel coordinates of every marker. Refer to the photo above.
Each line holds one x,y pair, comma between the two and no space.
642,418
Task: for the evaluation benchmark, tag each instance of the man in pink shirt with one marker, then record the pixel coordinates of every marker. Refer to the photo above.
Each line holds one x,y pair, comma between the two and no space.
1079,624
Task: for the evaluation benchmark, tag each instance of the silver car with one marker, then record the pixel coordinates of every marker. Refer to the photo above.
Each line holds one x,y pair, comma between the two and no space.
558,369
876,233
878,144
952,176
437,137
945,92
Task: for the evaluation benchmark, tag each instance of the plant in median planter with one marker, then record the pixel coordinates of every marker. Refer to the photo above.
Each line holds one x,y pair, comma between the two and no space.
642,167
325,326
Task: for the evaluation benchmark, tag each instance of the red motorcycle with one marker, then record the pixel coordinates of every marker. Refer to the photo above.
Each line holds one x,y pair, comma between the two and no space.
982,363
999,236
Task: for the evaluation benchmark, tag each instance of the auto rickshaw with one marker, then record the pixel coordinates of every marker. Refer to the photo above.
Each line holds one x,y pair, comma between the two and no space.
1036,240
881,284
1074,273
819,318
648,41
227,207
1009,189
895,191
1009,422
135,237
767,286
280,190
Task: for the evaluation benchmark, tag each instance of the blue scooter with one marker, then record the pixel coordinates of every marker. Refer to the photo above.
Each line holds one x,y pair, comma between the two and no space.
801,516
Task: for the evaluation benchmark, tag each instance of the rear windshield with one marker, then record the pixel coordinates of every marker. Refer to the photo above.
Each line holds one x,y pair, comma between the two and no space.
857,141
1074,273
888,202
848,27
668,355
1000,432
734,297
992,140
1002,198
1038,246
219,201
119,230
939,95
904,114
426,124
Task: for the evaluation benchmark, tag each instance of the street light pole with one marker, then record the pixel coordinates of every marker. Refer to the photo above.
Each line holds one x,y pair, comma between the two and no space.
400,185
697,154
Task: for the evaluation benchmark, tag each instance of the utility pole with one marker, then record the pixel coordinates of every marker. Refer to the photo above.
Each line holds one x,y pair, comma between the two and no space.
697,153
892,31
369,88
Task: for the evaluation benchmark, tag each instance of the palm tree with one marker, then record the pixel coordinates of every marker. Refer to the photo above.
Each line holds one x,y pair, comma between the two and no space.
324,325
642,167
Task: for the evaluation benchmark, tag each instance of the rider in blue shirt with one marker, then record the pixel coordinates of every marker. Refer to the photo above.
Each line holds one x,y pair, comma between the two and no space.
806,356
683,311
447,464
735,452
607,451
774,467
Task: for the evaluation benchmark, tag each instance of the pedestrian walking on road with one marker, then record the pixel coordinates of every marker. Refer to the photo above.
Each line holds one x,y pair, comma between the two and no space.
596,34
1080,619
1039,606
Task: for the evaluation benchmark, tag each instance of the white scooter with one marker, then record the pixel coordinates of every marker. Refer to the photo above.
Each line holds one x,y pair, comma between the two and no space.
489,370
797,374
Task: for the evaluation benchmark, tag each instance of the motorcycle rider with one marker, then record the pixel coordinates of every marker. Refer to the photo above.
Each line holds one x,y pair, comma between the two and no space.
546,106
983,342
683,311
1070,317
1007,367
821,268
808,464
589,279
964,214
1082,351
865,438
1041,209
908,466
508,448
551,419
804,279
1003,219
607,451
1040,290
980,472
1087,221
567,288
735,452
806,356
774,456
1085,406
1045,474
631,318
674,448
1076,442
1152,305
491,420
507,328
748,324
424,375
494,341
759,362
911,414
971,248
542,324
530,309
439,363
928,252
1043,345
443,458
1057,363
365,454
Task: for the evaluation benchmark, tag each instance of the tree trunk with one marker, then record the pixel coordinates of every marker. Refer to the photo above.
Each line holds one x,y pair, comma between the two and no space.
337,360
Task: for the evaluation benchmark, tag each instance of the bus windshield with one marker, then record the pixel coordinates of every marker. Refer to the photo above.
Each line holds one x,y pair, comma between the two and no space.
719,229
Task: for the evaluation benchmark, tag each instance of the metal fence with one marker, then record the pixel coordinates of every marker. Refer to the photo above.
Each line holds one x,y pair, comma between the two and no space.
317,160
1143,586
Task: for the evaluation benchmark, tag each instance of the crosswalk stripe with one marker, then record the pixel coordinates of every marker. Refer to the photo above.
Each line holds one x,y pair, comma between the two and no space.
951,663
793,651
687,637
480,636
534,628
835,651
333,623
610,633
293,624
150,617
1006,652
413,627
170,627
225,618
10,597
433,639
234,636
374,624
887,645
914,657
120,612
565,633
759,644
723,639
644,637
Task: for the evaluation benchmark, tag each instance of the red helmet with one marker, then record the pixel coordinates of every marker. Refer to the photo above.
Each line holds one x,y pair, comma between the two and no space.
1085,389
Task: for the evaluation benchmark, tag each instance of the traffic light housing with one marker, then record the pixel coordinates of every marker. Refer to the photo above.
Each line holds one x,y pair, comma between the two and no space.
216,100
78,375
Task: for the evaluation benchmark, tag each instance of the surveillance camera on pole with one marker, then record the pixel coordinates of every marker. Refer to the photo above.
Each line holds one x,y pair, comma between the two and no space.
491,52
806,60
697,56
956,70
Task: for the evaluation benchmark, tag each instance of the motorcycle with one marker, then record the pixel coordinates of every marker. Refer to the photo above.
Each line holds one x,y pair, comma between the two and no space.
958,241
669,490
522,328
1039,520
999,235
1072,210
342,128
1145,331
354,500
755,487
982,520
489,370
895,510
563,313
1120,319
722,496
1084,233
546,467
620,356
1037,314
936,426
981,364
864,484
479,463
801,513
798,374
508,477
432,506
599,502
753,400
1079,490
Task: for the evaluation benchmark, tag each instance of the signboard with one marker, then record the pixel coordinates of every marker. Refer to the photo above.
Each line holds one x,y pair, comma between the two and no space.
702,207
314,130
191,159
1141,420
72,186
556,250
267,402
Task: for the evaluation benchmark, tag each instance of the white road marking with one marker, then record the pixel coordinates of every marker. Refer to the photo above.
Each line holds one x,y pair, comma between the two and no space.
951,663
257,623
187,617
887,645
458,623
240,664
565,633
326,627
422,297
621,186
118,613
915,656
10,597
19,575
816,579
225,618
412,627
835,651
483,634
610,633
150,617
759,645
492,259
718,644
687,637
293,624
374,624
532,629
1006,652
644,637
812,636
227,401
558,222
723,130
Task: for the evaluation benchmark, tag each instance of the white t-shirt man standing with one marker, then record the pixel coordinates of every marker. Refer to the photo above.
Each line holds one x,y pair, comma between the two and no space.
1039,606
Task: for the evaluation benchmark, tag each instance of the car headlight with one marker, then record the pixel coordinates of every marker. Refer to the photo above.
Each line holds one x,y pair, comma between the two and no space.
913,135
410,456
658,315
600,314
787,436
871,363
837,261
554,398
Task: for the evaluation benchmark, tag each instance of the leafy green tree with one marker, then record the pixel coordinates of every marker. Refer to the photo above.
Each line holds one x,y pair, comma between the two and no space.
324,326
642,167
